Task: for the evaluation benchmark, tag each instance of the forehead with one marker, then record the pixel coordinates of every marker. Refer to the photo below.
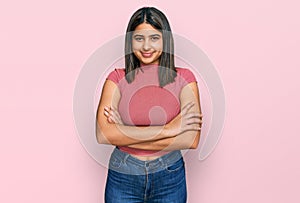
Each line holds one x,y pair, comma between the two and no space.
146,29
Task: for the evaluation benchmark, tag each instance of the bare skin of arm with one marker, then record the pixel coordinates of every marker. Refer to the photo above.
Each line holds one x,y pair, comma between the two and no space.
181,133
186,140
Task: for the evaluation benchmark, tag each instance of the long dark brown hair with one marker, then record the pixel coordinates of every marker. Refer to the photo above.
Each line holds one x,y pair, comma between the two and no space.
159,21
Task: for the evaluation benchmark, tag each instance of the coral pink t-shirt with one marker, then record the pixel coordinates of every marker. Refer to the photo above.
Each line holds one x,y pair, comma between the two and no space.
144,103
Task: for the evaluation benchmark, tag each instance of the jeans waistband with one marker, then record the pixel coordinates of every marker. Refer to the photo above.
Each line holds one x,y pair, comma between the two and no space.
125,163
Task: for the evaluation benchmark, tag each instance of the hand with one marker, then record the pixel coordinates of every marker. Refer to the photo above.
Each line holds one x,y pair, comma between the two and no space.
185,121
112,115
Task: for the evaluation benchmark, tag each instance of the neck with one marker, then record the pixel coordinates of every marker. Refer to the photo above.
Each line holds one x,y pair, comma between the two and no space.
149,65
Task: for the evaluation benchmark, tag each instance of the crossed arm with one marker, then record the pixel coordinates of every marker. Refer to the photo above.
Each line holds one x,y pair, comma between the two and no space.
182,132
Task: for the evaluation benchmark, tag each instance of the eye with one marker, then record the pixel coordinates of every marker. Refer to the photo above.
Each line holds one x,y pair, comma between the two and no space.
139,39
155,38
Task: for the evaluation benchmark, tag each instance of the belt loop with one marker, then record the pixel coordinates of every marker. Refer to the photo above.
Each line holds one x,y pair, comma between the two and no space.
125,158
161,161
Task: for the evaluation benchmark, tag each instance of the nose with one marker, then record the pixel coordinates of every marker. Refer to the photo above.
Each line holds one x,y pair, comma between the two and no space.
146,45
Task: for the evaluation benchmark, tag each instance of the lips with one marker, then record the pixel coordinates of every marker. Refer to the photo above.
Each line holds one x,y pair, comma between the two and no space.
147,55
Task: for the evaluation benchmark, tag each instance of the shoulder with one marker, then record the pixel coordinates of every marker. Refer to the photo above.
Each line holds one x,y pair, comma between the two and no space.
116,75
186,74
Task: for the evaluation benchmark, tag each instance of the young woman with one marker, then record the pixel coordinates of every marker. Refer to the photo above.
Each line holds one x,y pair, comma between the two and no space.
150,111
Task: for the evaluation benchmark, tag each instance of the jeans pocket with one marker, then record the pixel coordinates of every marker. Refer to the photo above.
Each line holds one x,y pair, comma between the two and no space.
176,166
115,163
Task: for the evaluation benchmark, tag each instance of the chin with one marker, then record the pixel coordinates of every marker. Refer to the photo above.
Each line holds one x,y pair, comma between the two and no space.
149,61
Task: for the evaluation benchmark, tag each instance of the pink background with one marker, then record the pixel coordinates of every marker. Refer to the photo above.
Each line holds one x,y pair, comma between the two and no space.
253,44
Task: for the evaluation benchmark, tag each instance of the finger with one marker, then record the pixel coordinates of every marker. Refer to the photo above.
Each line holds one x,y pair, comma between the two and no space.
106,113
112,115
109,114
194,121
187,107
106,108
117,116
192,128
194,114
109,119
116,119
114,112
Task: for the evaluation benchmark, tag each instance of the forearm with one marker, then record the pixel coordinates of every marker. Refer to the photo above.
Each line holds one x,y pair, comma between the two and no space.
186,140
124,135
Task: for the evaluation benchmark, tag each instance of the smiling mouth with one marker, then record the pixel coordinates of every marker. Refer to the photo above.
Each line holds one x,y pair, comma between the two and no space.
147,55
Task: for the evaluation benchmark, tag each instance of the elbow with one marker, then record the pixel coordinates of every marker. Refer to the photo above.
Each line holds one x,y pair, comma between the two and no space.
194,146
101,140
102,137
106,135
195,141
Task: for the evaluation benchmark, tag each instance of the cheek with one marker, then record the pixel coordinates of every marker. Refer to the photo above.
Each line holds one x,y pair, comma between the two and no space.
136,46
158,46
137,53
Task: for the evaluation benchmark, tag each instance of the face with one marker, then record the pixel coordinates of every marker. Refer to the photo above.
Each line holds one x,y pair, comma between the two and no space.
147,44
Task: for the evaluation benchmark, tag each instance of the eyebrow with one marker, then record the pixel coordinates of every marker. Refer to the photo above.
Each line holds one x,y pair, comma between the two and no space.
140,35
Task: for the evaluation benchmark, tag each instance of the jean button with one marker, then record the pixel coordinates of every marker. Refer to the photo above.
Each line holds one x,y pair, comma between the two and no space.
147,164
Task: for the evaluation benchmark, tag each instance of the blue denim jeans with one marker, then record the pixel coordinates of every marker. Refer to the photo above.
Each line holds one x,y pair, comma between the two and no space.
131,180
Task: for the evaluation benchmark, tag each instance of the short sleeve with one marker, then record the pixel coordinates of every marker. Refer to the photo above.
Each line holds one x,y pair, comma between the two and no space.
186,76
189,76
115,75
